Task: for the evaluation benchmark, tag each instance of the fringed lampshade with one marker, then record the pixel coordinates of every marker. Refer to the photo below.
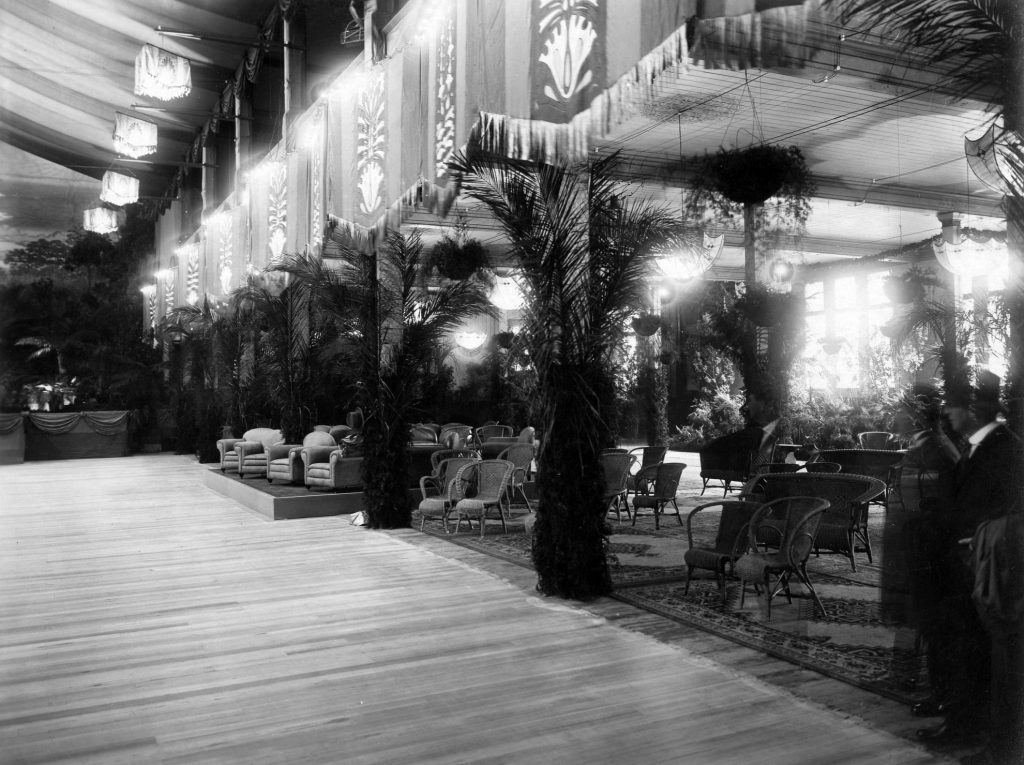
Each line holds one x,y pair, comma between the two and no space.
968,258
161,74
507,294
101,220
134,137
119,189
682,267
990,158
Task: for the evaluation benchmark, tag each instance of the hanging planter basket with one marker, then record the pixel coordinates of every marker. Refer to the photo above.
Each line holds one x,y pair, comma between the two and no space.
505,339
646,325
755,174
903,291
459,260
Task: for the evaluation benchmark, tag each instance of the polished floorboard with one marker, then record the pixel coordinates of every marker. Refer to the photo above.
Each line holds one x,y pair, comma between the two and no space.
147,619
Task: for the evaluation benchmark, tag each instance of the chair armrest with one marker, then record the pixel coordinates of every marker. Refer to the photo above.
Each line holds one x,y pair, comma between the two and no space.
313,454
428,482
243,448
226,445
278,451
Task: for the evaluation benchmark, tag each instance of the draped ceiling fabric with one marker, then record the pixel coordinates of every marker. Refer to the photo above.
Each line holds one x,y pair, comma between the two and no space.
381,138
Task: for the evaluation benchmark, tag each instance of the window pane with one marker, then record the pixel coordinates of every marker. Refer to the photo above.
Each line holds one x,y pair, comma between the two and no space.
876,294
846,292
815,294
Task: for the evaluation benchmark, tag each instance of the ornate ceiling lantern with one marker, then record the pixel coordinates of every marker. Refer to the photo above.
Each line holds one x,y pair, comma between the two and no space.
161,74
989,157
507,294
134,137
682,267
119,189
101,220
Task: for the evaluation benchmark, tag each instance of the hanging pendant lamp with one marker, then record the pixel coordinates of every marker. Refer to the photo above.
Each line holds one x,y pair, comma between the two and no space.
161,74
134,137
100,220
119,189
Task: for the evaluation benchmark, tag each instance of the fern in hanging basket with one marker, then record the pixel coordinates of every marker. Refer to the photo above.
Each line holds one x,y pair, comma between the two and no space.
726,181
457,258
646,324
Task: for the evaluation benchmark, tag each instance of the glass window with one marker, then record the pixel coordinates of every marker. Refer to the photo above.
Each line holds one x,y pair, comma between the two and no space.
815,295
845,292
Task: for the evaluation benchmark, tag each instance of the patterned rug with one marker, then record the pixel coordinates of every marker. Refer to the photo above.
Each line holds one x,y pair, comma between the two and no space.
856,640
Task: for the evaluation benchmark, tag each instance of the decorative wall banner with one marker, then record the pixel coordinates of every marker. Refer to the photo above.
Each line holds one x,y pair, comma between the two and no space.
370,150
568,58
277,211
134,137
161,74
224,236
191,252
444,104
316,179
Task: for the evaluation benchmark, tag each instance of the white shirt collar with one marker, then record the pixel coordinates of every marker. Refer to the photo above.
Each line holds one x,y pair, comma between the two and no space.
979,435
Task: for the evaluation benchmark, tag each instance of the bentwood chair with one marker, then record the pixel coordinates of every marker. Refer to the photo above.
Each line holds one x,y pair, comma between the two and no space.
485,433
878,439
616,465
729,542
659,486
491,483
796,520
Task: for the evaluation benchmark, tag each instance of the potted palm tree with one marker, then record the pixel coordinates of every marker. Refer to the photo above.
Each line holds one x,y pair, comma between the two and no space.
585,256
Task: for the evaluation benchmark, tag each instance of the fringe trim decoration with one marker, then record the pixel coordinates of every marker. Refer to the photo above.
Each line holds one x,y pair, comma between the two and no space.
524,138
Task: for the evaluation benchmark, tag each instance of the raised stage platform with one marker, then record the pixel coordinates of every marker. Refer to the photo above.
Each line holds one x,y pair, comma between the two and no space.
279,502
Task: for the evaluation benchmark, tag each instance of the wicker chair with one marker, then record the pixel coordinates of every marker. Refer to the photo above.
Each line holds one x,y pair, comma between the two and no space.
521,455
882,464
455,436
422,434
435,490
729,543
796,520
659,484
878,439
445,454
646,456
491,479
845,523
823,467
485,433
616,465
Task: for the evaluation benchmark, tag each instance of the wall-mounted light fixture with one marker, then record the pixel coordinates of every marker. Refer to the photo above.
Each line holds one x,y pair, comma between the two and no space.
470,341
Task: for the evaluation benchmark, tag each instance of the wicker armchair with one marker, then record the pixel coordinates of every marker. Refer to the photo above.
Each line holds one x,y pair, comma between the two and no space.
729,543
646,456
882,464
491,481
658,486
845,523
435,490
878,439
796,520
616,465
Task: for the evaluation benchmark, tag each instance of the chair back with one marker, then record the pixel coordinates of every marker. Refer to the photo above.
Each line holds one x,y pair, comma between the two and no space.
823,467
490,478
877,439
521,456
616,465
649,455
444,454
421,434
796,519
666,479
318,438
845,493
486,432
873,462
448,469
732,524
449,433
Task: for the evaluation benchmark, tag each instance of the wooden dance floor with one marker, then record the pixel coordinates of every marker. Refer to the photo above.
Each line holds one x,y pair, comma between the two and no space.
146,619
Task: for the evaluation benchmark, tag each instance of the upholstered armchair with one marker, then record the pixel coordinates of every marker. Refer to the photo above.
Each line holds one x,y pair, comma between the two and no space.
229,455
252,450
284,461
327,467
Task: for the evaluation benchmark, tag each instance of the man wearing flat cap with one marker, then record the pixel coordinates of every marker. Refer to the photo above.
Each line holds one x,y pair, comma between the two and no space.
985,486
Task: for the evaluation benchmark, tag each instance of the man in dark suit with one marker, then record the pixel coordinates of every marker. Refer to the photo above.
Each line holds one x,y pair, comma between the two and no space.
985,487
